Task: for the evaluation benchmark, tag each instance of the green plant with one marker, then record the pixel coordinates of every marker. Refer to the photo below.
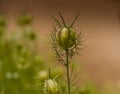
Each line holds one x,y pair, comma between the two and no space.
66,43
21,67
48,81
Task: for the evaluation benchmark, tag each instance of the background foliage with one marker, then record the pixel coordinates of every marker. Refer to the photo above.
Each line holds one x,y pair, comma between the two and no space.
20,63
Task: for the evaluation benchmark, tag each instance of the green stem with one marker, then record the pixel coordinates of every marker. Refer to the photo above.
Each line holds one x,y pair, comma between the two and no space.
67,67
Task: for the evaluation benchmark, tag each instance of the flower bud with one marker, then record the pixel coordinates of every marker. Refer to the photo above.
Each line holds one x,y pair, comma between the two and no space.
66,38
51,86
42,75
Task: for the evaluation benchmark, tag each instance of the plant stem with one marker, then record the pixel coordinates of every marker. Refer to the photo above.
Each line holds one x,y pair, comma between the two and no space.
67,67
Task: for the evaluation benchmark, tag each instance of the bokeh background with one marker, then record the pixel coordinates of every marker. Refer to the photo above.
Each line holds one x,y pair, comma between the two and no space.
99,20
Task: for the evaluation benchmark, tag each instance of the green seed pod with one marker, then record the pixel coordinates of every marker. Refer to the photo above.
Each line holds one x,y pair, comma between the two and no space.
51,86
42,75
66,38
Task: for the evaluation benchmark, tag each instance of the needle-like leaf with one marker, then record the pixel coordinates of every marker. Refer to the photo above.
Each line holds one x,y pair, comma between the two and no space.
57,21
62,19
75,20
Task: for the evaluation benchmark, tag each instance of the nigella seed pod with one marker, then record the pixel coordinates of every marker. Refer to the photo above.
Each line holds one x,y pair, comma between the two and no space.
66,38
51,86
